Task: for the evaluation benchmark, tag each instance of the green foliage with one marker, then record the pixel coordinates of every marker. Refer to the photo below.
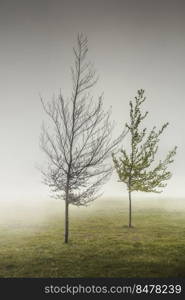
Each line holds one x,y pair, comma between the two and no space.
135,168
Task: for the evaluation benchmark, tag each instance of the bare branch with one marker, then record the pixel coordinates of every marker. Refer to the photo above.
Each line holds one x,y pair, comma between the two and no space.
79,142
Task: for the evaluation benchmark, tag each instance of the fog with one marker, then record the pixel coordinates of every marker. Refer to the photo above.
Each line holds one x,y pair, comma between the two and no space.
133,44
29,217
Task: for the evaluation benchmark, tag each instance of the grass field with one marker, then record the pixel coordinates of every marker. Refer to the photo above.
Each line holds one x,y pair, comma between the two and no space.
101,245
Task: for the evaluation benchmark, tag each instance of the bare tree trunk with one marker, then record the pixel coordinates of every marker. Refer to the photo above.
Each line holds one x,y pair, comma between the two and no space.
78,150
130,210
66,232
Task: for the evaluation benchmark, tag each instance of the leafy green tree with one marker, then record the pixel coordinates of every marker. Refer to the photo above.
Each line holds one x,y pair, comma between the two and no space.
135,168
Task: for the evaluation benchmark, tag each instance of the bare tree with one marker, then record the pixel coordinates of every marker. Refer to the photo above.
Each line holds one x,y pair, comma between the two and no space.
80,141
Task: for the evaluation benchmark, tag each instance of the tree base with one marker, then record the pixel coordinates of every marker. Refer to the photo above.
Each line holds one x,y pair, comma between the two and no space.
127,226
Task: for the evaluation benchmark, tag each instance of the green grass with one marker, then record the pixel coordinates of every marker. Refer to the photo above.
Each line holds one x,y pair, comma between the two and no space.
101,245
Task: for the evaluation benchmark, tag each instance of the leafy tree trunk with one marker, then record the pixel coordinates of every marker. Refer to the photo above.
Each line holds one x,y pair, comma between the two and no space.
130,210
66,231
135,167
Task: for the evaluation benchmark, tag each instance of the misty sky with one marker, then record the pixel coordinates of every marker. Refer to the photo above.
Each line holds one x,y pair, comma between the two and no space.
132,43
